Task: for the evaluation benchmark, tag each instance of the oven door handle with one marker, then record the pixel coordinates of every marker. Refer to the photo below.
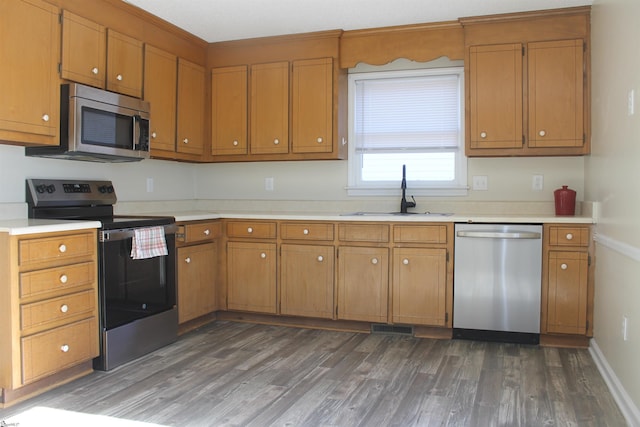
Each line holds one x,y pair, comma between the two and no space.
127,233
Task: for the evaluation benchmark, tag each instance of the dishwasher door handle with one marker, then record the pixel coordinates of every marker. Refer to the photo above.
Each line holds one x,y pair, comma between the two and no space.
500,234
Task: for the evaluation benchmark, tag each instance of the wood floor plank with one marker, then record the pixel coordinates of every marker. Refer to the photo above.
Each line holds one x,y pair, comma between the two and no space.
243,374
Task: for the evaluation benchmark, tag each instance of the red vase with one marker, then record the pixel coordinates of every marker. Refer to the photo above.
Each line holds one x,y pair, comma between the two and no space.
565,201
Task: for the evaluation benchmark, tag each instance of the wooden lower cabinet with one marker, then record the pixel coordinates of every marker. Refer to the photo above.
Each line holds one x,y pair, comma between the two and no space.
306,280
567,288
363,283
196,281
48,310
419,286
251,276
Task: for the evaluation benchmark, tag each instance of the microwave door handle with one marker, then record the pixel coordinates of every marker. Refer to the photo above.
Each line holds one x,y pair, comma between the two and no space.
136,131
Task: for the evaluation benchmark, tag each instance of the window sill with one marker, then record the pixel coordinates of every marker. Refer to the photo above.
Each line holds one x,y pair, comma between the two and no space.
396,192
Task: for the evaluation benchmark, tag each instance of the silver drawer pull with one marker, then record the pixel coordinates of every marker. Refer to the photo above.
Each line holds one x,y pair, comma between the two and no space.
64,308
62,248
64,348
249,230
305,231
207,232
64,279
569,236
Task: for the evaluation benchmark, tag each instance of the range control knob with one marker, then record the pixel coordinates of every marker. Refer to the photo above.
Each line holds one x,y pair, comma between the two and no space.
105,189
41,188
51,188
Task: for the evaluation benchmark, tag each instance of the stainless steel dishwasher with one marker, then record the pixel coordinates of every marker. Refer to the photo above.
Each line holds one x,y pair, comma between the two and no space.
497,282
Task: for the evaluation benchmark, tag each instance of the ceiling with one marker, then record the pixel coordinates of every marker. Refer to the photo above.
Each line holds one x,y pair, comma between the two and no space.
220,20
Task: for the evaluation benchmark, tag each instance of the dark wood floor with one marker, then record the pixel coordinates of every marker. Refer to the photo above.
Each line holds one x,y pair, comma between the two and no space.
238,374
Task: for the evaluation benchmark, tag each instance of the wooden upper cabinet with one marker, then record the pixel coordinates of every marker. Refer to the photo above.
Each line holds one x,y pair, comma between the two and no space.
312,106
270,108
160,80
29,83
190,113
495,96
124,64
229,110
84,50
98,57
556,97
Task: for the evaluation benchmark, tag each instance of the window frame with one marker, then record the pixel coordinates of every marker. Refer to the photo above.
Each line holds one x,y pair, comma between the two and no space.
357,187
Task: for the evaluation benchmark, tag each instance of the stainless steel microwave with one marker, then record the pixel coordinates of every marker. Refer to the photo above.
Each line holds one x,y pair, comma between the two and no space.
99,126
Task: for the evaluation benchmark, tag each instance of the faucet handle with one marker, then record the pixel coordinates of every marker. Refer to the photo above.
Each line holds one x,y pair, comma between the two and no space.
412,204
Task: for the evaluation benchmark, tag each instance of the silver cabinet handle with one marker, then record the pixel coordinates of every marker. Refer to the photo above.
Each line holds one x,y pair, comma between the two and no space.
320,258
263,255
95,70
405,261
564,266
45,117
483,135
374,261
64,348
119,77
187,260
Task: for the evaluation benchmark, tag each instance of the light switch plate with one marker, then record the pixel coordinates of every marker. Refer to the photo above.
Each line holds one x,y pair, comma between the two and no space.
480,182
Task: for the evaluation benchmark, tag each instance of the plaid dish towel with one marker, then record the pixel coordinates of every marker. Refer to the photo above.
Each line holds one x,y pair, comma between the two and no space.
148,242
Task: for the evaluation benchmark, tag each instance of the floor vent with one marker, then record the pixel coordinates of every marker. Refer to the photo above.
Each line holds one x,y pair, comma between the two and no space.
391,329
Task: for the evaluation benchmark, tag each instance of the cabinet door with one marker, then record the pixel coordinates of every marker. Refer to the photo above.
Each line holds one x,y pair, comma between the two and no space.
84,50
29,84
307,280
419,286
229,110
190,128
270,108
196,281
312,106
556,98
495,96
160,83
567,293
363,283
251,276
124,64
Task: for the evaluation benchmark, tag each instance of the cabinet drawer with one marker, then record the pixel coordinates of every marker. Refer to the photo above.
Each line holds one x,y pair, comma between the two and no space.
568,236
420,233
363,232
56,280
56,249
257,230
306,231
48,352
59,310
201,231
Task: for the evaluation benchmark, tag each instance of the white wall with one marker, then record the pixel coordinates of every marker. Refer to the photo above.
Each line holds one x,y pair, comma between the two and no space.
612,178
509,179
172,180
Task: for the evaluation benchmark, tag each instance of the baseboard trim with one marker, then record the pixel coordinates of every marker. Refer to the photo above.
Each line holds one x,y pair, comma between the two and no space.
627,406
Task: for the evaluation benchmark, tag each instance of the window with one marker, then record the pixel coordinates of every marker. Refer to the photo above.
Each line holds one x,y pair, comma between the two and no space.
412,118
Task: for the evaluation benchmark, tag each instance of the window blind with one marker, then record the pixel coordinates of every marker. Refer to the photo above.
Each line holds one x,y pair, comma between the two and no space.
407,113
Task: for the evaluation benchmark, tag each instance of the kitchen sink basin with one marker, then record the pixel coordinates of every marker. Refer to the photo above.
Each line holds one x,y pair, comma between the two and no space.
397,213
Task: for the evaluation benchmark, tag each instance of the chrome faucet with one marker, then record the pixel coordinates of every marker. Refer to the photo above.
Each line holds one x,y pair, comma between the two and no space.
404,204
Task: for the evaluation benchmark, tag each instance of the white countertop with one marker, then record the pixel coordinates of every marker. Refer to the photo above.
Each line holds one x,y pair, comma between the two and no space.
32,226
21,226
302,216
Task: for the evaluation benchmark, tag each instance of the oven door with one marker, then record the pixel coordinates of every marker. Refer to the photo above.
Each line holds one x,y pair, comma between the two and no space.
132,289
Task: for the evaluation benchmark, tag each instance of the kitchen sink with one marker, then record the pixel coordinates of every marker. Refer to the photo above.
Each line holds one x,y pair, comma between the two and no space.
396,213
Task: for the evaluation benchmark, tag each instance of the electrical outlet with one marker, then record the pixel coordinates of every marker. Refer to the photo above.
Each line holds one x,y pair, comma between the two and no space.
537,182
480,182
625,328
149,185
268,184
631,102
